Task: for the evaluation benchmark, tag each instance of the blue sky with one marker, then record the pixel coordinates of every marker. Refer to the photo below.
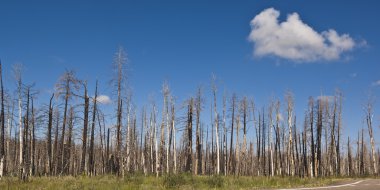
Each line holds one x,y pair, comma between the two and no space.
183,42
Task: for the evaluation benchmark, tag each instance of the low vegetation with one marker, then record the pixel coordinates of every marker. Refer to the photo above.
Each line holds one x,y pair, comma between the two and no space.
183,181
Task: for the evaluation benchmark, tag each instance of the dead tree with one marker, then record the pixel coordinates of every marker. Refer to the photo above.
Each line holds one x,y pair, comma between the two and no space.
17,73
349,158
85,126
362,168
32,143
245,113
120,60
198,160
259,146
167,96
369,115
3,161
319,137
340,97
278,156
68,149
263,141
237,147
189,152
65,87
56,145
174,136
214,89
26,137
91,155
49,136
225,137
312,146
332,152
232,133
290,102
304,149
164,127
270,114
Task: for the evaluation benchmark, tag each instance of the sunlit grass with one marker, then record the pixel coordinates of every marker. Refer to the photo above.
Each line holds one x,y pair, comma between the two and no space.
183,181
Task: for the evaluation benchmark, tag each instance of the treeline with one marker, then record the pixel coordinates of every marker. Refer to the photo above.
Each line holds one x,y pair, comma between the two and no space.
67,137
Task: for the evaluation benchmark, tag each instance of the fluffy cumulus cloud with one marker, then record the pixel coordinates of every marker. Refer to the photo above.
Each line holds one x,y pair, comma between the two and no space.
103,99
295,40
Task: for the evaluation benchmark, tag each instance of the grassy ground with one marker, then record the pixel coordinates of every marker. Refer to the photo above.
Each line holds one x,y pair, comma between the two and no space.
182,181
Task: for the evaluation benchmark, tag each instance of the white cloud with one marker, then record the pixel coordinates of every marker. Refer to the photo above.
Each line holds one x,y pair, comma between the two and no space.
353,75
376,83
104,99
294,40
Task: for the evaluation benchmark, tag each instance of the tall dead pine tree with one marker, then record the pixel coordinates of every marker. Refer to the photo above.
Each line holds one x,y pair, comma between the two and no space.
91,156
319,164
119,64
290,104
214,89
85,127
198,161
3,162
189,152
369,116
230,158
49,136
17,69
65,87
312,146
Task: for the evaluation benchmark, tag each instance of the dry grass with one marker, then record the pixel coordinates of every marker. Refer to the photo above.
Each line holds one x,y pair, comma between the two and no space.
183,181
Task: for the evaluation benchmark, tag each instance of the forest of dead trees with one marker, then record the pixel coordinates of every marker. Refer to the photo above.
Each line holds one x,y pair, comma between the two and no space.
70,135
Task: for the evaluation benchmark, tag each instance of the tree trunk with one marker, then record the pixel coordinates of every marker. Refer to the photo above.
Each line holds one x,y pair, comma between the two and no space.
189,148
198,161
49,134
232,133
216,131
91,155
289,100
84,134
69,147
3,161
369,116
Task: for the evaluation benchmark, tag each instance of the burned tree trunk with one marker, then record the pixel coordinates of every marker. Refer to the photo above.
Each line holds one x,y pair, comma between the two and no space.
232,133
312,146
214,89
3,160
369,116
85,126
119,63
49,134
69,147
198,162
319,138
289,99
91,156
189,148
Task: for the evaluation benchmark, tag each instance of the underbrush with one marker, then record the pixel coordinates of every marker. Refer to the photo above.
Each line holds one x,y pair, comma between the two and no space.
179,181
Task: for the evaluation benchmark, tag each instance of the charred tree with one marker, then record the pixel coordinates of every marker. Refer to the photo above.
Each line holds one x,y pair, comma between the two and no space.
189,152
91,155
85,126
